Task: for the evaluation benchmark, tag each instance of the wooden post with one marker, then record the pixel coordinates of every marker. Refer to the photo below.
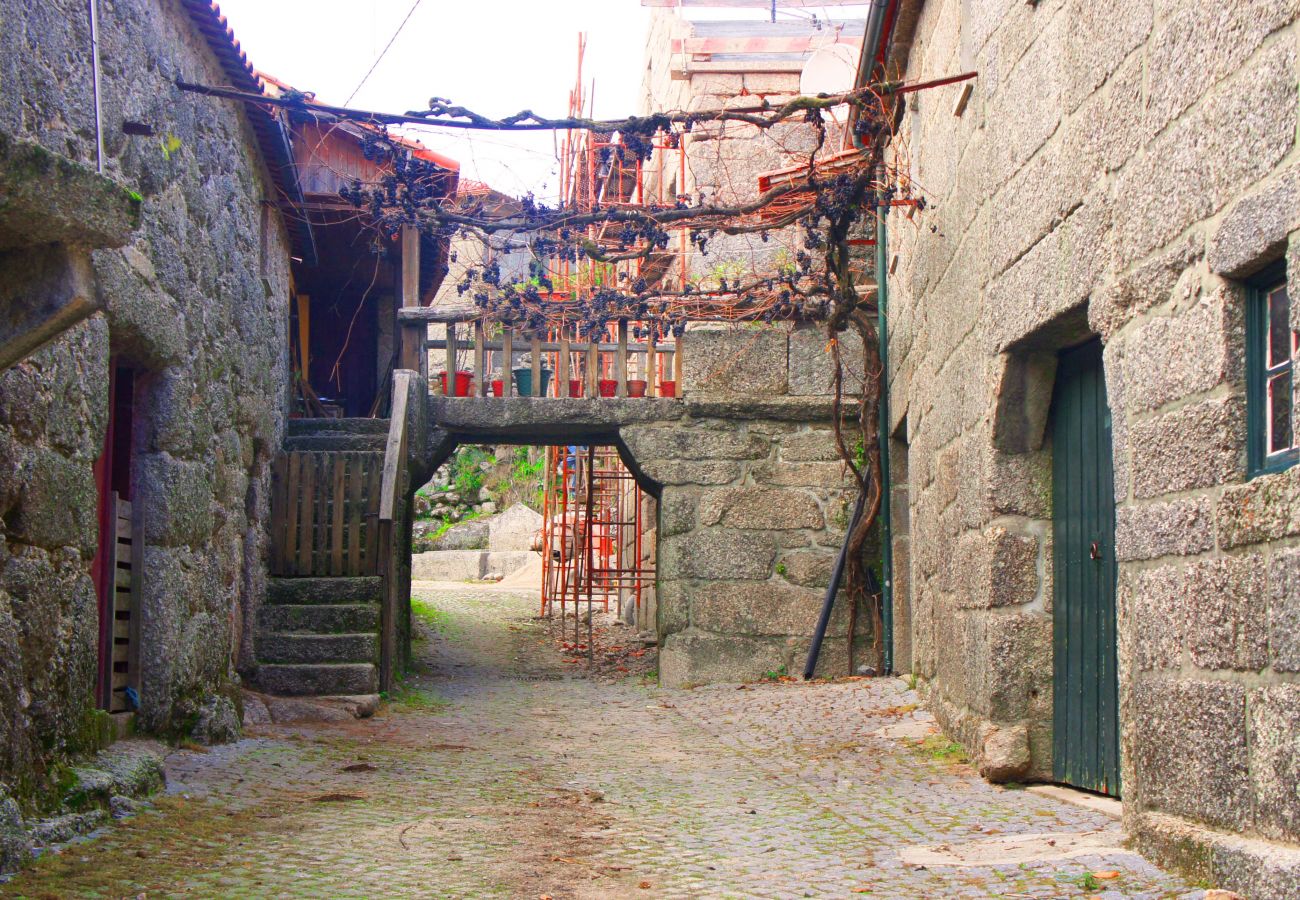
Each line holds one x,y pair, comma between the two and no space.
677,363
652,383
480,376
507,354
410,266
451,359
620,358
536,355
563,369
593,368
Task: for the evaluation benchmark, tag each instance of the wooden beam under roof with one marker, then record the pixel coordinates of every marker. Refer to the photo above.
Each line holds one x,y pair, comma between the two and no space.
750,4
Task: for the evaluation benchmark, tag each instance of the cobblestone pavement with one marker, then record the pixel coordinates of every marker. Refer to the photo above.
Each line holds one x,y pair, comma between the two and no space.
500,771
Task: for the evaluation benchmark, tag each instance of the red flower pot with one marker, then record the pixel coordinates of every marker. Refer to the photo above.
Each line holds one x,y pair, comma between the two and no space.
575,387
667,389
636,387
608,387
464,379
498,387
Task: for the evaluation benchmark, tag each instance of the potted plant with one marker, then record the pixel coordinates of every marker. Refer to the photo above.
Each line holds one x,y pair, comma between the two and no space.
524,381
498,384
636,387
461,383
575,387
608,387
667,389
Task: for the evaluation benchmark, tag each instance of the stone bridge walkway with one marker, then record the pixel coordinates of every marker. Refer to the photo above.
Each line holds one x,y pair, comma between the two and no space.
501,772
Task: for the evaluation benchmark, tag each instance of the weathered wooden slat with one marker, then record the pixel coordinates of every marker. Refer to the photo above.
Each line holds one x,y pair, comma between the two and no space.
760,44
563,368
480,375
293,503
620,359
677,364
307,515
536,358
651,369
451,358
356,502
593,370
339,503
374,491
507,359
556,346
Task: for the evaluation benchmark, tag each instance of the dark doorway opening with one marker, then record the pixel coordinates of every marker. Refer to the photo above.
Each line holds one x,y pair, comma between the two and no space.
116,570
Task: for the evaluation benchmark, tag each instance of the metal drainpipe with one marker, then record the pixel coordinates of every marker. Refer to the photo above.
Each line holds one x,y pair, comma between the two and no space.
886,486
94,76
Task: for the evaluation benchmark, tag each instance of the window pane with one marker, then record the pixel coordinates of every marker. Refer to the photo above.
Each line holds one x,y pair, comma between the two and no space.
1279,327
1279,413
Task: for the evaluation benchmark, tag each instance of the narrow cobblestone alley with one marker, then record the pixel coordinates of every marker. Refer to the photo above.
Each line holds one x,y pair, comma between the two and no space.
501,771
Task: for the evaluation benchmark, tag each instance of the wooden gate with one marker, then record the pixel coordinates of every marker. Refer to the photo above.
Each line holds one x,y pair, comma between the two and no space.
1086,692
324,512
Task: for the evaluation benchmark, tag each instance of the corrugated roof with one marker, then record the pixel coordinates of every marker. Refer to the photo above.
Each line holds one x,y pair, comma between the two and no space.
268,127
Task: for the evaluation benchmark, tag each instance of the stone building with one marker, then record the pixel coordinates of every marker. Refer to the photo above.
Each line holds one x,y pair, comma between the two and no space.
157,294
1091,408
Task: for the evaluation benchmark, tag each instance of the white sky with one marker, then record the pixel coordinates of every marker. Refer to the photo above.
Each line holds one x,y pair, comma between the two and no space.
493,56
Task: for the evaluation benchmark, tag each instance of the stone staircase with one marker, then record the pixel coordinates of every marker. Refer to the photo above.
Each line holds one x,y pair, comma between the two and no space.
318,632
320,636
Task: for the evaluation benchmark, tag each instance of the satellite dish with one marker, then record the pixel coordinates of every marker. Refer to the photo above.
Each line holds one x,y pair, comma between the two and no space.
829,70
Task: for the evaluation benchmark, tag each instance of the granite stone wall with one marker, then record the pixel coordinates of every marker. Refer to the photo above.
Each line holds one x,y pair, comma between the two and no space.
196,304
1119,170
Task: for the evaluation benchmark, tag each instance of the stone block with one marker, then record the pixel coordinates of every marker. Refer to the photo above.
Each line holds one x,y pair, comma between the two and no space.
689,471
514,528
1193,47
1264,509
1244,127
693,443
812,367
472,535
1284,611
1016,658
177,497
1254,230
1153,613
745,361
1148,285
758,608
677,511
1190,749
674,601
448,565
1275,759
1195,446
1178,528
1019,484
718,554
759,508
1226,622
810,445
829,475
1013,567
1192,351
810,568
1005,754
57,501
694,657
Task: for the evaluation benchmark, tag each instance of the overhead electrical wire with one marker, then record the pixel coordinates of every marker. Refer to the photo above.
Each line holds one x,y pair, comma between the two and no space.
382,53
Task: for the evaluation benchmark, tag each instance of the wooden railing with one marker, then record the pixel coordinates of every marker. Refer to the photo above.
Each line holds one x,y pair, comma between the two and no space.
659,364
392,494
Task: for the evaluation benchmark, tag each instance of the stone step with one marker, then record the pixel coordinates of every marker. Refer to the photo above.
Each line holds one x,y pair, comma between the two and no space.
299,427
319,618
305,679
368,443
286,647
325,591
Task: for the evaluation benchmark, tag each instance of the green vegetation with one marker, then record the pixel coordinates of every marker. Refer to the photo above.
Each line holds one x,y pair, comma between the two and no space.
775,675
780,568
940,748
439,620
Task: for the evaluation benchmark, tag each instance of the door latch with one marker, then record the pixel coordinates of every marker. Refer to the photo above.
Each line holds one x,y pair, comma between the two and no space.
1094,552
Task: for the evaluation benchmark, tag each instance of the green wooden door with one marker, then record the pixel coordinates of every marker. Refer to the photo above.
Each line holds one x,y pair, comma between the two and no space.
1086,698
